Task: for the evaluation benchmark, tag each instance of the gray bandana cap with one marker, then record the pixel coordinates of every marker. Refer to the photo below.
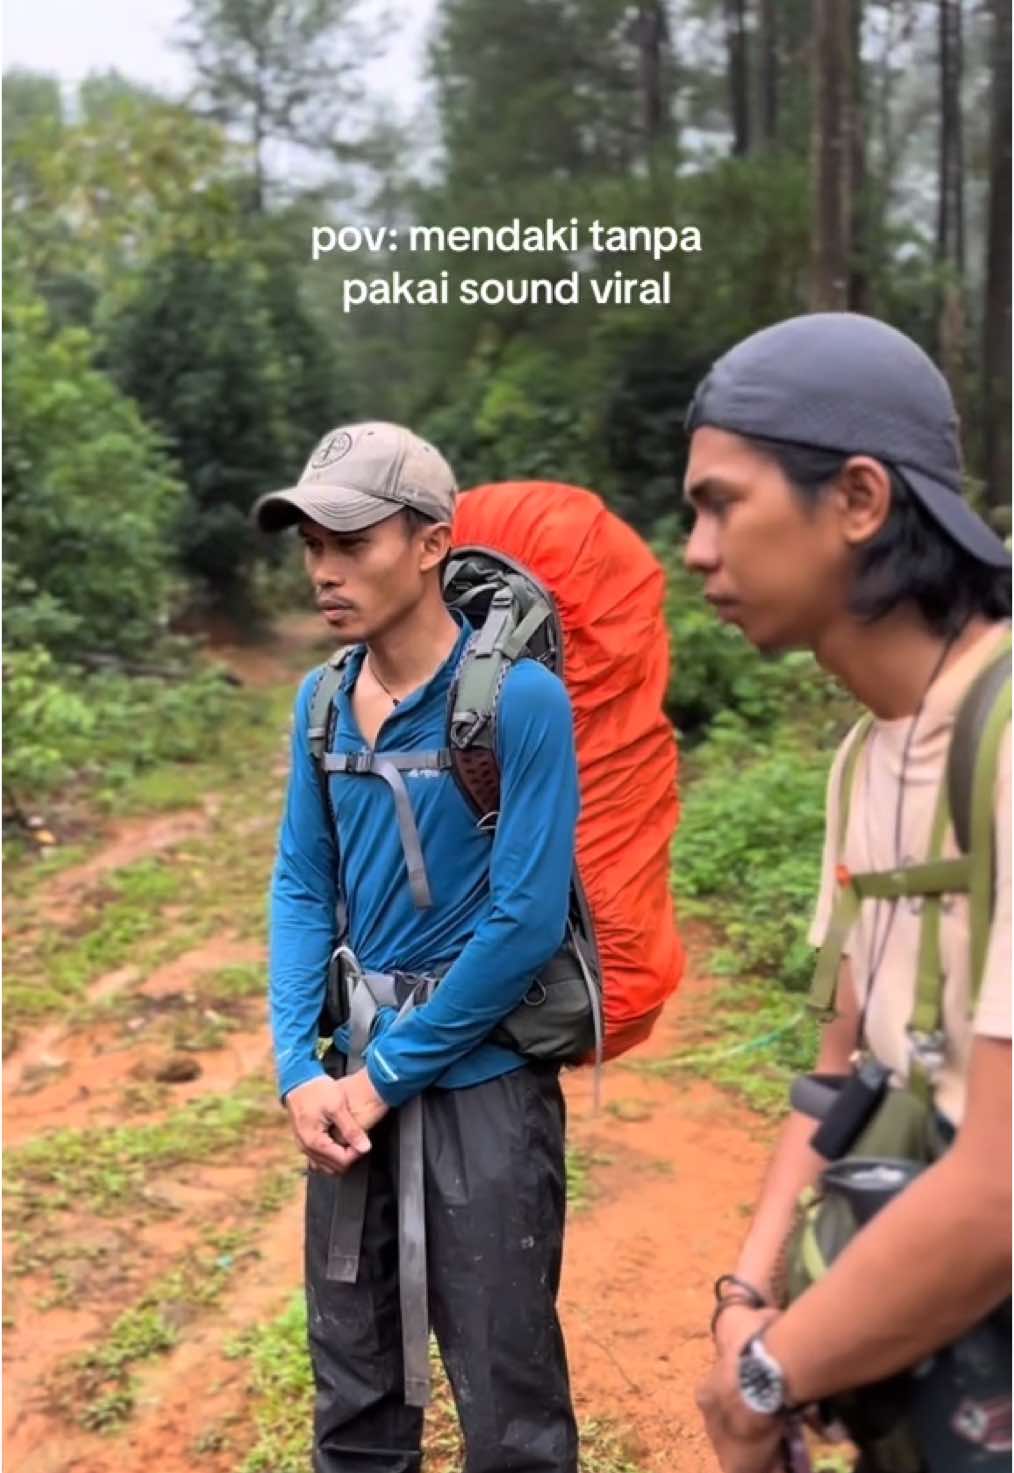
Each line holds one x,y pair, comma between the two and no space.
361,474
843,382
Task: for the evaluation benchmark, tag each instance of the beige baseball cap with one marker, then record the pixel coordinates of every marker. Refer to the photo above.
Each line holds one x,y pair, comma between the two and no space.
359,475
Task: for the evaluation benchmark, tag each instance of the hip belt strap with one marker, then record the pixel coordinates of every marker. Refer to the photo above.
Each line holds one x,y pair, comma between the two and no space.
368,993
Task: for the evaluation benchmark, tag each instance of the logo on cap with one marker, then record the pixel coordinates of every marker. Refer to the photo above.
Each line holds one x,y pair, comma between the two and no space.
331,449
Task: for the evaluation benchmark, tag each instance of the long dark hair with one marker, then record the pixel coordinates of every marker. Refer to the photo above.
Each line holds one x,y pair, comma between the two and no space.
910,560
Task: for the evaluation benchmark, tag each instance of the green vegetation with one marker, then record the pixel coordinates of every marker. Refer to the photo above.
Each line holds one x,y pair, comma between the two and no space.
104,1171
748,855
101,1378
748,850
214,884
716,677
282,1388
753,1038
579,1188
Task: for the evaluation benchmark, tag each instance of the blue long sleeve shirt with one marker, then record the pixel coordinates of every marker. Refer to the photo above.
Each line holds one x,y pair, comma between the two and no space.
499,905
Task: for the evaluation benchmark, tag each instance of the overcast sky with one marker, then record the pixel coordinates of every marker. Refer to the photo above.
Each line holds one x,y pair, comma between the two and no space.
74,37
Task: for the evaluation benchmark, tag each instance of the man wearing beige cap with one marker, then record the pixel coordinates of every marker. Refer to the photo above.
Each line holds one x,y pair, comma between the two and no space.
455,924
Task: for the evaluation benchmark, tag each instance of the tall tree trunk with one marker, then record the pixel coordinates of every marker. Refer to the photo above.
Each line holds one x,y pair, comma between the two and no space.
861,264
769,72
739,75
951,199
951,203
652,36
997,314
259,130
833,158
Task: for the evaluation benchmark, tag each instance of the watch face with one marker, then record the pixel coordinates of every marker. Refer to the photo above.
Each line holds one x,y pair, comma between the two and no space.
761,1384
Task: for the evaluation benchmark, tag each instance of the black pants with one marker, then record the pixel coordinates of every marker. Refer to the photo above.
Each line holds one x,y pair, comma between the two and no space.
495,1196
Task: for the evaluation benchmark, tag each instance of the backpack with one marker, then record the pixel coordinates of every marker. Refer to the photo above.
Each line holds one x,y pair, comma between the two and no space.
904,1133
544,571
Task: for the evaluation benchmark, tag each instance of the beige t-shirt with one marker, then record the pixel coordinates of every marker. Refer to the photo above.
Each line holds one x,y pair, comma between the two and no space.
869,845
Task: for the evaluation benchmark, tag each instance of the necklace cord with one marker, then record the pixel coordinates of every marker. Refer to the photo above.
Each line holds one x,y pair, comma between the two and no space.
385,688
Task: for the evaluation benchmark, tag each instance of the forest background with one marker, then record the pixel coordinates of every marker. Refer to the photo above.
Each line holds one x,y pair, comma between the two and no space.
171,350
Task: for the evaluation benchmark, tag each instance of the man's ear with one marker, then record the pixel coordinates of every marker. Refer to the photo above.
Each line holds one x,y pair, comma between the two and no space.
436,544
862,495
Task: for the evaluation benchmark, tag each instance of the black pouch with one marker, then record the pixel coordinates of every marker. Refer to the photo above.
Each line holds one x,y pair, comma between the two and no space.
850,1108
555,1021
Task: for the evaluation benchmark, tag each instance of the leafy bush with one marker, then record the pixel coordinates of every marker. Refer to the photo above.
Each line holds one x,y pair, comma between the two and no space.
220,354
62,724
748,852
89,499
715,670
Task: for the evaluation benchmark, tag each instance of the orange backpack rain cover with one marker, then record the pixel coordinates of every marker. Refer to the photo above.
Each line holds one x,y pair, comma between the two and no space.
609,591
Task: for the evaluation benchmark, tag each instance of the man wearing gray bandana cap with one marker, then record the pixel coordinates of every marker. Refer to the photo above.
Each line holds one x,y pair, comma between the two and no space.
825,476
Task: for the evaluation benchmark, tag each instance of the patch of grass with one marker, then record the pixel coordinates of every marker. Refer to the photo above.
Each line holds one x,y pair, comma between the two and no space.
753,1038
281,1385
109,1411
235,982
579,1185
275,1189
101,1378
58,967
748,852
159,790
196,1032
144,1097
604,1448
27,866
105,1170
220,882
282,1388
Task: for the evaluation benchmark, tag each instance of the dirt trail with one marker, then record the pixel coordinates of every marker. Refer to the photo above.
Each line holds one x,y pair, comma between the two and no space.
673,1168
680,1164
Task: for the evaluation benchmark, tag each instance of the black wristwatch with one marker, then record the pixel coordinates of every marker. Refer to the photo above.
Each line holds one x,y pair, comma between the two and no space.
762,1380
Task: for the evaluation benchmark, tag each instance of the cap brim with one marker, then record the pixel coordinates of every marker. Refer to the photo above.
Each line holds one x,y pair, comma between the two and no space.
956,517
338,509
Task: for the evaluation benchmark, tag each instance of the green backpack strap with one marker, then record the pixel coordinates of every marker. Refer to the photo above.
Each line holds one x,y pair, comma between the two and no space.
966,797
972,765
846,905
476,690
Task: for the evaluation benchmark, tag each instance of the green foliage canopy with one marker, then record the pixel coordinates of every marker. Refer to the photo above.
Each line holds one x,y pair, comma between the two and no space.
90,498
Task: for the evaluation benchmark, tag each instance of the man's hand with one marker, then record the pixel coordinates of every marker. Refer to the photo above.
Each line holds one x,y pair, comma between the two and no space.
744,1441
330,1118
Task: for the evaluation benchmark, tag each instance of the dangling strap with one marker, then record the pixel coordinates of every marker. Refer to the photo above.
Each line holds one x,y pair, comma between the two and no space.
926,1025
318,731
982,849
368,993
390,766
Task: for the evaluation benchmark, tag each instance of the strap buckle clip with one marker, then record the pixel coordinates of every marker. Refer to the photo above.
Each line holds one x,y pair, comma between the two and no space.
927,1049
468,726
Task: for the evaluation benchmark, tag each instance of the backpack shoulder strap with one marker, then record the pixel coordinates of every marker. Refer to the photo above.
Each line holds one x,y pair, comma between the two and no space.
846,903
981,701
972,762
329,679
475,693
318,730
857,739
